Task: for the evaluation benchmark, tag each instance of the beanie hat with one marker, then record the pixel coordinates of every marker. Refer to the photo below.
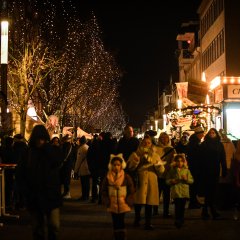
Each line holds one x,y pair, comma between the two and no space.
119,157
199,130
18,136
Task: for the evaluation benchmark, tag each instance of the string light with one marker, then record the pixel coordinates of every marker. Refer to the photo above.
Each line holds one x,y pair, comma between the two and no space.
84,89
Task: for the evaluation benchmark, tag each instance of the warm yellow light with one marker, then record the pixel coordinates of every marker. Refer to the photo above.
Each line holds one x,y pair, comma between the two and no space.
156,125
232,80
164,122
31,112
215,83
179,103
207,99
204,77
4,42
224,80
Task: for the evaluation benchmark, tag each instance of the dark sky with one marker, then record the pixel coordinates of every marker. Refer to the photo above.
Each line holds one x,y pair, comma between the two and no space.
142,37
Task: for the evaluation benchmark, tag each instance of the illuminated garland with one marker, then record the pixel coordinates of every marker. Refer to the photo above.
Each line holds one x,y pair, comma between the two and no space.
202,109
193,114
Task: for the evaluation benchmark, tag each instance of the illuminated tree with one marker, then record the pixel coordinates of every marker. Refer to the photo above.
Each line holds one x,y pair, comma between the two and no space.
82,88
27,72
102,80
86,84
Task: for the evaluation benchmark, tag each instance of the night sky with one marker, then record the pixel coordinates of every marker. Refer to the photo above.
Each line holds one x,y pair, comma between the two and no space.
142,37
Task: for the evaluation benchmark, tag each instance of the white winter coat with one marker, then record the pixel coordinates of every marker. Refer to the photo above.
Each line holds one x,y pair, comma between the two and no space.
148,170
81,165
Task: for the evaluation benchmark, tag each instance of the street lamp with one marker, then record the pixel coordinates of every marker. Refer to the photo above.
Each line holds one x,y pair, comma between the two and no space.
4,62
4,42
156,125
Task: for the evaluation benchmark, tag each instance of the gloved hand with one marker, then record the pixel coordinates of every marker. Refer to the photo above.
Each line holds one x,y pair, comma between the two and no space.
76,177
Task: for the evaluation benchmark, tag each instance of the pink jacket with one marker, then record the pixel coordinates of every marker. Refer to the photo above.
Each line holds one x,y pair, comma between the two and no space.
117,194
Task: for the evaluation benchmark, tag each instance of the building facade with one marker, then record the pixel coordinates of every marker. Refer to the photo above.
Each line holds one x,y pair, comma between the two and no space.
209,68
220,58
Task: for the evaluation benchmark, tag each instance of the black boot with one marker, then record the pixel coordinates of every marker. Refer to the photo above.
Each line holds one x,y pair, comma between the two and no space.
205,214
155,211
148,217
137,219
120,234
148,225
214,213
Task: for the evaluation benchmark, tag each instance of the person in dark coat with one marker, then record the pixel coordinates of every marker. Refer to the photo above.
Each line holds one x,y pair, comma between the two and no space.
128,143
69,156
181,146
213,158
40,178
194,159
235,172
107,147
93,160
20,150
7,158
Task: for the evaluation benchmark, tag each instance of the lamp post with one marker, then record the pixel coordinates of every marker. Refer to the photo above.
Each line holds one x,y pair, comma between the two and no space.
156,125
4,62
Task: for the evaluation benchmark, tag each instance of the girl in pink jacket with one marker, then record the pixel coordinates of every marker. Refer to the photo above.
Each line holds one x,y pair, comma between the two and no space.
117,194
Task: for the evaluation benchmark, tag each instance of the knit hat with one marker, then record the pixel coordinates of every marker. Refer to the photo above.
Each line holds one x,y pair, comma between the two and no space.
18,136
199,130
151,133
119,157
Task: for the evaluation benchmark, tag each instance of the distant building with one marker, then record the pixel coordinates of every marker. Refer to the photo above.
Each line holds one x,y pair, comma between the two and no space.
220,58
209,72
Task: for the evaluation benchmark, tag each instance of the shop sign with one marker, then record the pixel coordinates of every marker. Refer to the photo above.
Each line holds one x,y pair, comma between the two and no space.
233,91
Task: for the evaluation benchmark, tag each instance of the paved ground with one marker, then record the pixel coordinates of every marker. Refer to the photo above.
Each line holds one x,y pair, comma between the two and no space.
91,222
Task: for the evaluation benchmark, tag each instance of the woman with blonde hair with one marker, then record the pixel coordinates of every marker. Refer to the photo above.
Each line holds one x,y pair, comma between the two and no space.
148,165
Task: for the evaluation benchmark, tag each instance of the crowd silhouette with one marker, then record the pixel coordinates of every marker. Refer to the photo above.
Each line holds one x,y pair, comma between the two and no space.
196,173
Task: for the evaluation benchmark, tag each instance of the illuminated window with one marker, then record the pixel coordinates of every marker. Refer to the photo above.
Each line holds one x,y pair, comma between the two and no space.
233,122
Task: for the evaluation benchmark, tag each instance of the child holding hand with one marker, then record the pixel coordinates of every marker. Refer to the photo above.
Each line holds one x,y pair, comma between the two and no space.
117,194
179,177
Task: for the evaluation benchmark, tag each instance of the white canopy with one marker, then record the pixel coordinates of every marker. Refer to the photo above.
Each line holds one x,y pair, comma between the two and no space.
80,132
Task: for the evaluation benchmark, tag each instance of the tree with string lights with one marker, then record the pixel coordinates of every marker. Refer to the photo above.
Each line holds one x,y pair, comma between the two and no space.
27,72
82,89
81,92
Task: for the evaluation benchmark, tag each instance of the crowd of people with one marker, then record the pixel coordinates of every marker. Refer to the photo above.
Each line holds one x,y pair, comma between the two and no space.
125,174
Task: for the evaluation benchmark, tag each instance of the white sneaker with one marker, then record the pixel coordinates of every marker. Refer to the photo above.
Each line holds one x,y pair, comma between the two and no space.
67,196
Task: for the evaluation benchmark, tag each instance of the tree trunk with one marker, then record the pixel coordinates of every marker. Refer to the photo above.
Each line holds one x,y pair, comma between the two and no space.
23,116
